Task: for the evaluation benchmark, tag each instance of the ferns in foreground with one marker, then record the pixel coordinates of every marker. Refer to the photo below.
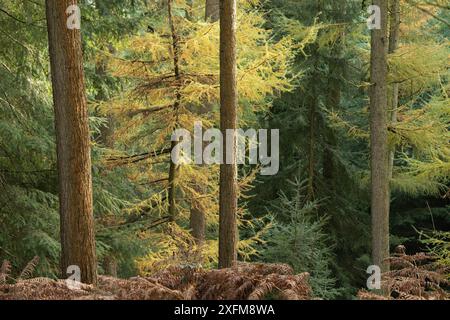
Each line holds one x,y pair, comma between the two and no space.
413,277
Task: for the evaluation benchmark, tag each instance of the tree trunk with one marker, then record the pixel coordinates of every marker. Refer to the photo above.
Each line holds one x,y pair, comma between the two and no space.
212,11
333,100
379,143
394,29
333,103
197,216
173,170
73,143
228,120
197,224
110,266
312,142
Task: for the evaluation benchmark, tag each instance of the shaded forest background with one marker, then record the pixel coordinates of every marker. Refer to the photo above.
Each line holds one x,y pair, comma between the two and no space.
303,68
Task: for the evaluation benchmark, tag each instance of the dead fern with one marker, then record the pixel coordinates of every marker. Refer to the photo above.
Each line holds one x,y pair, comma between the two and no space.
5,271
241,282
29,269
413,277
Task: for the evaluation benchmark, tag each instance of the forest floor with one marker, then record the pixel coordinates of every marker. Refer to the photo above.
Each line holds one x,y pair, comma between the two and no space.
242,282
412,277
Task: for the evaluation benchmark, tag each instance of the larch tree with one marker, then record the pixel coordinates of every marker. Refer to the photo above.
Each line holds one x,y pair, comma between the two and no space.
154,103
378,140
73,143
228,124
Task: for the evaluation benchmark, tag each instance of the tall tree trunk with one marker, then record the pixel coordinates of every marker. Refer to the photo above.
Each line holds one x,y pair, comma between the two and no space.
228,120
394,30
333,99
173,170
212,10
197,216
378,142
73,143
333,103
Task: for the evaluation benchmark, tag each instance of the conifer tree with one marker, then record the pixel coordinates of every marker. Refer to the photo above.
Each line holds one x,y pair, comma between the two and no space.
228,120
147,114
73,143
378,140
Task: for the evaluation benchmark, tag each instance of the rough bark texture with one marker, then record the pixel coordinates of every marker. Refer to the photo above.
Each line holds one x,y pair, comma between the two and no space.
228,120
379,143
212,11
73,143
394,29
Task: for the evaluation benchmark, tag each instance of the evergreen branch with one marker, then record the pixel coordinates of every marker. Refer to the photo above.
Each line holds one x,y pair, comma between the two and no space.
19,20
148,111
139,157
416,5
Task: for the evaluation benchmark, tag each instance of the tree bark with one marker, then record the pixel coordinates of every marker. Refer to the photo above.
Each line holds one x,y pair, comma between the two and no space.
228,120
212,10
379,143
73,143
197,224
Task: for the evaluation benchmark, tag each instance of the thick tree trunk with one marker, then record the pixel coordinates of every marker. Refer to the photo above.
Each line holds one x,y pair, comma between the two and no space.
394,30
212,11
73,143
228,120
379,143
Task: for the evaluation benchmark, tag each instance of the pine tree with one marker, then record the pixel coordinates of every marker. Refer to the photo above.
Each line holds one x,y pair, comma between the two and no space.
228,120
379,142
73,143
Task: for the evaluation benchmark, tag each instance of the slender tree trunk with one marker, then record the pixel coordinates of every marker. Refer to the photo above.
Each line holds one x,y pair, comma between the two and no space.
228,120
333,99
333,103
197,216
312,142
110,266
73,143
394,30
379,143
173,170
212,10
197,224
